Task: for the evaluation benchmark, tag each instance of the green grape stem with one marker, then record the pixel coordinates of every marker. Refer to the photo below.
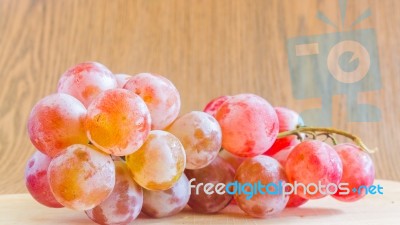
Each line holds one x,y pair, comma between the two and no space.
328,131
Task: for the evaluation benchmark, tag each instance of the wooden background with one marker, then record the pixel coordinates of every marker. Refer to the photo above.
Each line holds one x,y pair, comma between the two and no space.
207,48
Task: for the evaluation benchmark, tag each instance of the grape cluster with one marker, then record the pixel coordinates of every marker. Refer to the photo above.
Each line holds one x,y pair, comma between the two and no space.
112,145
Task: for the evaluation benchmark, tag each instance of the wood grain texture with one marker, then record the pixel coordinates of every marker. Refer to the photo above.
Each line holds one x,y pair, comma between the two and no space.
207,48
373,209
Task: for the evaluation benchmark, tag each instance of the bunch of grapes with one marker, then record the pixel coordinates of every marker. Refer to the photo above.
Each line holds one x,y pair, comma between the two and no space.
295,155
112,145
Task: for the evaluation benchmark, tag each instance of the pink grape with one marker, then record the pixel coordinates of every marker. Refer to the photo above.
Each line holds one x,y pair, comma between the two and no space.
218,171
265,170
56,122
281,157
160,96
295,201
118,122
169,202
36,180
283,154
213,106
200,135
288,120
311,162
122,79
86,80
249,125
159,163
358,170
124,203
232,159
81,177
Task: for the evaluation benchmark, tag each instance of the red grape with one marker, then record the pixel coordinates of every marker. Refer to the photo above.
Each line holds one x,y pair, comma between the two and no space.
159,163
56,122
288,120
283,154
81,177
265,170
249,125
295,201
37,182
313,163
358,170
218,171
124,203
169,202
118,122
232,159
122,79
160,96
281,157
200,135
86,80
213,106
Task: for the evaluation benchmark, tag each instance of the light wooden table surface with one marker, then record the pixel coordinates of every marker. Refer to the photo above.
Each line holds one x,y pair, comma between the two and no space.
207,48
19,209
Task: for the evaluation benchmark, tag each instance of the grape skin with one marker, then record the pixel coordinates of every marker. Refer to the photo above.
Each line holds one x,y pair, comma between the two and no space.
160,204
86,80
281,157
81,177
283,154
200,135
36,180
249,125
124,203
159,163
218,171
266,170
122,79
160,95
358,170
118,122
288,120
232,159
56,122
313,161
295,201
213,106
